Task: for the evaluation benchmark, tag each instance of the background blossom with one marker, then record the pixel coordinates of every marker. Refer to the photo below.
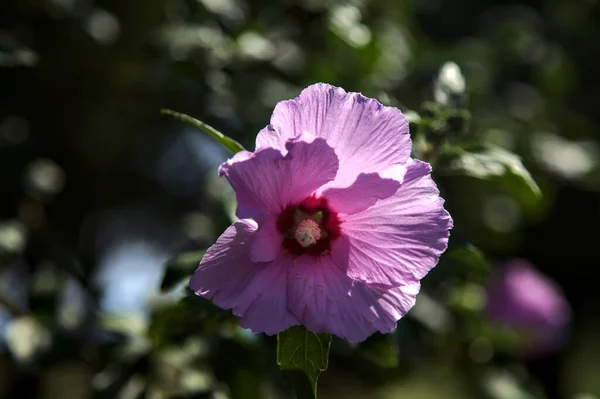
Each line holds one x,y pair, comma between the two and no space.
529,303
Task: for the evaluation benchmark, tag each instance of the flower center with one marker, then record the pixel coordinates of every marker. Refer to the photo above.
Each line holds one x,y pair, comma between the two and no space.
308,232
308,227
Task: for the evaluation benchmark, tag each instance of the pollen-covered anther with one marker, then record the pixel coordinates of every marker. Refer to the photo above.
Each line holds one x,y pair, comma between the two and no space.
307,233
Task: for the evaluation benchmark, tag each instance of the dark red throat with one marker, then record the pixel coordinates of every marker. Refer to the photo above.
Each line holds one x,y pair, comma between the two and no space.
329,223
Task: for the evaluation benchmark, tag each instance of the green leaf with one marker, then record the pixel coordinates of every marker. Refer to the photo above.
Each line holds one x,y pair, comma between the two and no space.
227,142
300,349
489,193
299,382
180,267
496,165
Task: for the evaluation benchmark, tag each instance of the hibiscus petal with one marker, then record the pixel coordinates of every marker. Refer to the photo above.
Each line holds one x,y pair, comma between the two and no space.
326,300
267,243
283,127
362,194
399,239
254,291
267,181
268,313
367,136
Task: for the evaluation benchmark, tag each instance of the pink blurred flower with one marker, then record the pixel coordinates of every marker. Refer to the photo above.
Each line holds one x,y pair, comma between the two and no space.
338,224
530,304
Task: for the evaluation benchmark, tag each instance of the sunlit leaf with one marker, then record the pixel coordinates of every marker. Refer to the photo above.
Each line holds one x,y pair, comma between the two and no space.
227,142
489,193
300,349
495,164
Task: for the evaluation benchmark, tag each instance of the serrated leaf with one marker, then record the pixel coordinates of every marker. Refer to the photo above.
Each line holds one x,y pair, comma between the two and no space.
180,267
233,146
300,349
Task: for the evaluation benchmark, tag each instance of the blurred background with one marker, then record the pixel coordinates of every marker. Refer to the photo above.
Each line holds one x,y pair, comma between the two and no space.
106,205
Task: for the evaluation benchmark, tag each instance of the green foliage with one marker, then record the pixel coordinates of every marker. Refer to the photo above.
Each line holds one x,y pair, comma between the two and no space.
230,144
441,122
302,350
180,268
462,261
497,91
489,192
494,164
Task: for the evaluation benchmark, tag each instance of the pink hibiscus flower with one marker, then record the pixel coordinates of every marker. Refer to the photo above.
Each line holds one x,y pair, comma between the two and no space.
338,224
